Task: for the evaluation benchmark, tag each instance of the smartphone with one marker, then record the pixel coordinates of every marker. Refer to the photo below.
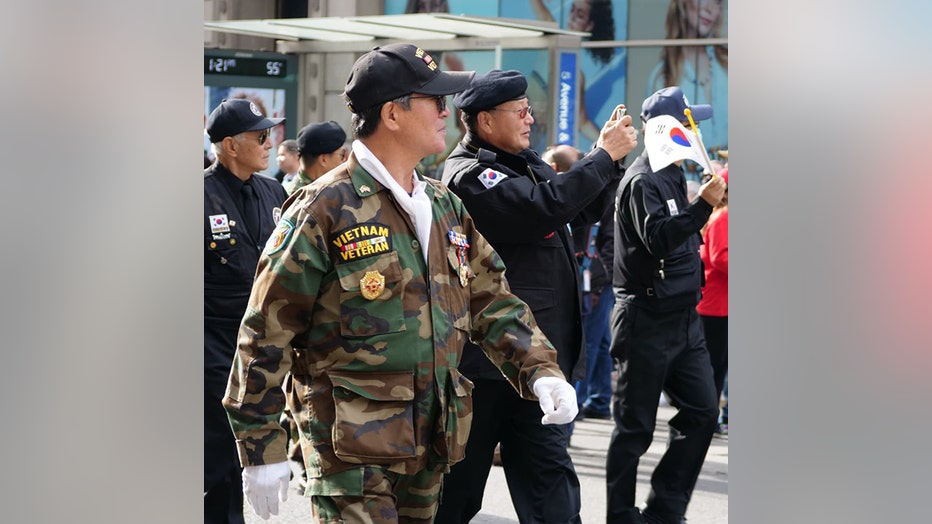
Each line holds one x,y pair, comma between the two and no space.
620,112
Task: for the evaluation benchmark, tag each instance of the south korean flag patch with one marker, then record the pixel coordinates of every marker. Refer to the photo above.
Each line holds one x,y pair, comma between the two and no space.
490,177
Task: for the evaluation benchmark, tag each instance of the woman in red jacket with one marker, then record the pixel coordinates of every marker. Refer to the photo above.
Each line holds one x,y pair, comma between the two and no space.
713,308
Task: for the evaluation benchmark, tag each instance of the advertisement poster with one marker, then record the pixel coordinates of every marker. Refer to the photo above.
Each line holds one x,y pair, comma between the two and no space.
602,70
700,71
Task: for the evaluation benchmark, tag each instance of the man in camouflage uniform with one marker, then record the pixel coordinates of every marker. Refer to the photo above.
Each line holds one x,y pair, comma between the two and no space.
366,293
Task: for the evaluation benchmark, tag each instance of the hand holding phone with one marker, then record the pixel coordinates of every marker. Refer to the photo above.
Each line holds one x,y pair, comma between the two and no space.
619,112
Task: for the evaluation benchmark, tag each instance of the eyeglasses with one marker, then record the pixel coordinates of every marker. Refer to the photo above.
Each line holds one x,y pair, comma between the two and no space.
263,136
522,113
440,100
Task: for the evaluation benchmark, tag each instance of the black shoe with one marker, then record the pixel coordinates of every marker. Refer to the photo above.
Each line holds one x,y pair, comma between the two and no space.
652,518
628,516
598,415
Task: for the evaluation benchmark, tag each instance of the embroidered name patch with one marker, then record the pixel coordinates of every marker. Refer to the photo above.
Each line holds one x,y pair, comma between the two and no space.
363,240
490,177
279,236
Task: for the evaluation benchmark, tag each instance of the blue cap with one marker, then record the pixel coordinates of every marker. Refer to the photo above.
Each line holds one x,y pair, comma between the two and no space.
671,101
491,89
235,116
320,137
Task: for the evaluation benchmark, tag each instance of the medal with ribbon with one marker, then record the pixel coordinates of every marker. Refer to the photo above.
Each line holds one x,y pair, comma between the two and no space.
459,240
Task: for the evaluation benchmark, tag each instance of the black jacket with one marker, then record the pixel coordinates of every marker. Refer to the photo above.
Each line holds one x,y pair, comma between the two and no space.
523,208
230,259
657,237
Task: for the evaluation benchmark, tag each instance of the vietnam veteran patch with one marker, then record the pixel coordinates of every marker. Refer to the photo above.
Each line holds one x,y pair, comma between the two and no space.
363,240
279,236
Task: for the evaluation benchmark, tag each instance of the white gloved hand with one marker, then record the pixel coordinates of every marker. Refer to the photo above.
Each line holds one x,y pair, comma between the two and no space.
265,485
553,391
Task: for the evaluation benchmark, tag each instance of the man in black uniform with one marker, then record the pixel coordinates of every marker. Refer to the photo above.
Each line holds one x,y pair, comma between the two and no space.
656,332
522,207
240,213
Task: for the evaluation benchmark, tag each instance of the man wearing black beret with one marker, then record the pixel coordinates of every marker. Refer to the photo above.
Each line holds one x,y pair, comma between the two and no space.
522,207
320,146
240,212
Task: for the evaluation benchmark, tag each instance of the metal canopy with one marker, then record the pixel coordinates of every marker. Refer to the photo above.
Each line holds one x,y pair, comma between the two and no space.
412,27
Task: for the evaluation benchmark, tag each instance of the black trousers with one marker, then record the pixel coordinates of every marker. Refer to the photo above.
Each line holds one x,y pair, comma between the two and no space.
540,474
223,484
716,338
658,351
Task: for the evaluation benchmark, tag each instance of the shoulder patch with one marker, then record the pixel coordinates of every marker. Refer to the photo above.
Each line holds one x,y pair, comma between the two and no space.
279,237
490,177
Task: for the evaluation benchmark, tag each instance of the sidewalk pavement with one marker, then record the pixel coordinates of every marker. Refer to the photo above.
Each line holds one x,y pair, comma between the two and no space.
709,504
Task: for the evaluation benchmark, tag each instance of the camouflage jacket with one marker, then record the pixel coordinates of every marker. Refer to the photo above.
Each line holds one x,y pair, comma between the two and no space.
300,180
371,334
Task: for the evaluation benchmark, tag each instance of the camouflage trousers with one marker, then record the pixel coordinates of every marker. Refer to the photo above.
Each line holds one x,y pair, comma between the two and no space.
374,495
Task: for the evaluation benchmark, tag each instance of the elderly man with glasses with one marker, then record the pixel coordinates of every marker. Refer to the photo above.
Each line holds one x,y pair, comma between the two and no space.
523,208
240,212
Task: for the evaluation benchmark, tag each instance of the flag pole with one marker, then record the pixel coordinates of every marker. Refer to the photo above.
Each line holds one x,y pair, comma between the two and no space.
705,154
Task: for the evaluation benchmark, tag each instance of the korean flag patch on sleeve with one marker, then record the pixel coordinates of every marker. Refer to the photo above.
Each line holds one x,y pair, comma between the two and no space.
490,177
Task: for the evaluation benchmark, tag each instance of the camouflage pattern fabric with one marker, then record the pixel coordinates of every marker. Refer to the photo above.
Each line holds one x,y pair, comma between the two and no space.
383,497
371,334
300,180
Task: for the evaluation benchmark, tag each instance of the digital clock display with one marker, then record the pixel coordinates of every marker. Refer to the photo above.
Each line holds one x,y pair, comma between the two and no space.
215,65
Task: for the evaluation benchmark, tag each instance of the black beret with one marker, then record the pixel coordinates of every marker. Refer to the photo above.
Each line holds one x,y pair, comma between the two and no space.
320,137
491,89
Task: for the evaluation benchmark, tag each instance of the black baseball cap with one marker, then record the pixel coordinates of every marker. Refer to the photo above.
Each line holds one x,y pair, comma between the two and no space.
671,101
320,137
394,70
234,116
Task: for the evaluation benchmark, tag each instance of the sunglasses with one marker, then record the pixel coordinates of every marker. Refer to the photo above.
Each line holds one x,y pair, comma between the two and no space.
440,100
522,113
263,136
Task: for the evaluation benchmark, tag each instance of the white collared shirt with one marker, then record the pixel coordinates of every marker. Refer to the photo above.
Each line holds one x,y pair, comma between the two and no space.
416,205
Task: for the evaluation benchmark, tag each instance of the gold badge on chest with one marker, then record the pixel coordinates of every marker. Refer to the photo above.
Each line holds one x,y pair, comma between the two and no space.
372,285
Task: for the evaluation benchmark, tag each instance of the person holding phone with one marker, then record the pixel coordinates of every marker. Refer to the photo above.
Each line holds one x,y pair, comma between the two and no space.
523,208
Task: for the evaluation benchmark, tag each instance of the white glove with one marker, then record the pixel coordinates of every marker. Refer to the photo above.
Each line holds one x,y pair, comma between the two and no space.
553,391
260,484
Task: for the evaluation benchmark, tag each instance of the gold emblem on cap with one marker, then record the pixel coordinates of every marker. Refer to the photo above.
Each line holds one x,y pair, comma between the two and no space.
372,285
364,189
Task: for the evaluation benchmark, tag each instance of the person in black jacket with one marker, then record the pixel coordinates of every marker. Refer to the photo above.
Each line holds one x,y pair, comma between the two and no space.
523,208
240,213
657,336
595,251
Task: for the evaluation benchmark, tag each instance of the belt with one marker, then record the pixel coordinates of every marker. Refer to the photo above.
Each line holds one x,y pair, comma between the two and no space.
640,292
